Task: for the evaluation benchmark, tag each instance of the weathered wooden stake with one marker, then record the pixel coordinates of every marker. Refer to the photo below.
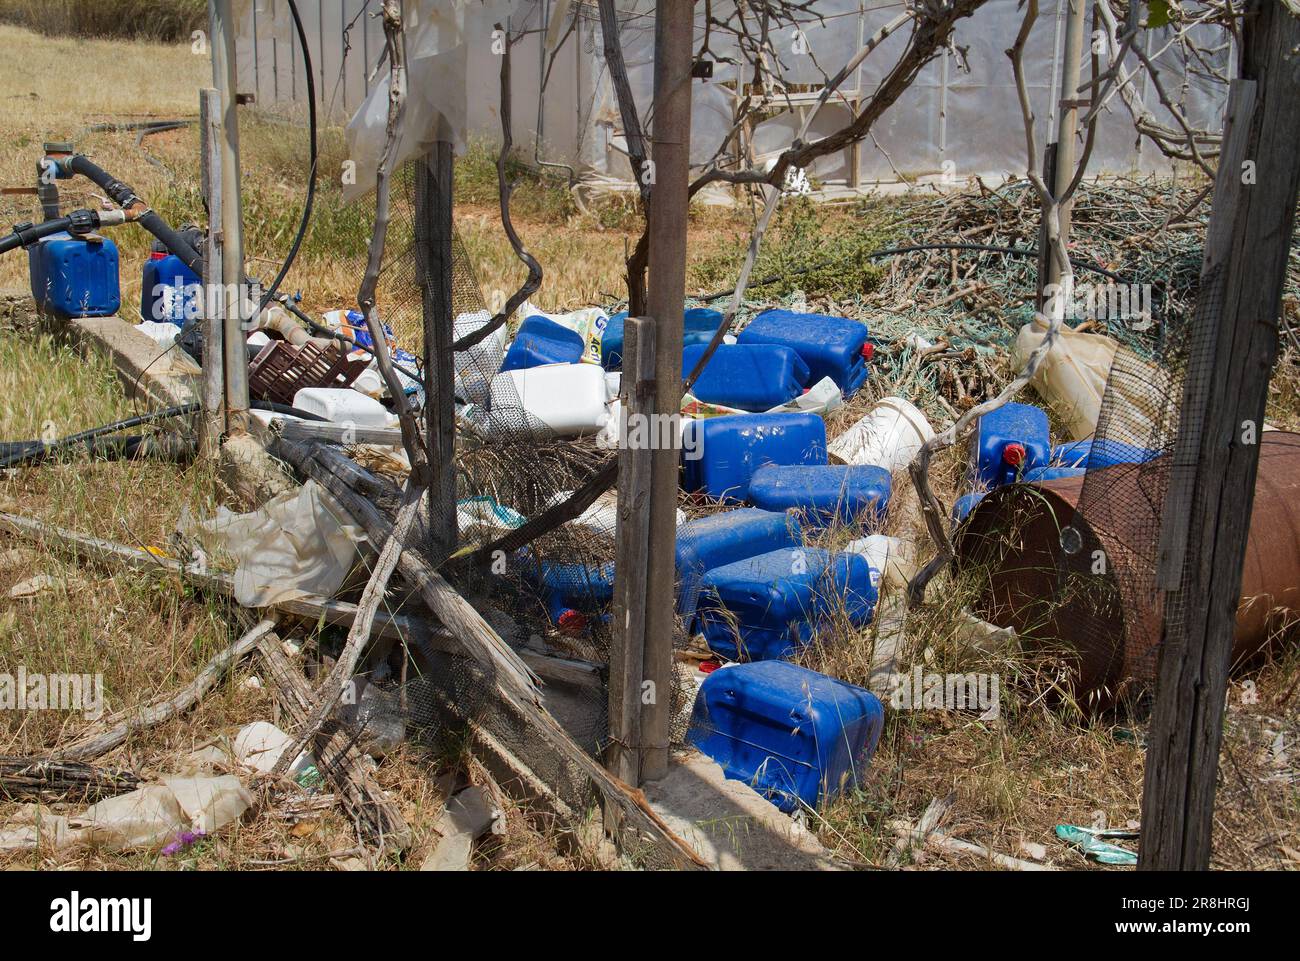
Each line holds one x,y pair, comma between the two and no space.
1067,120
213,424
221,16
627,649
669,203
1223,409
433,225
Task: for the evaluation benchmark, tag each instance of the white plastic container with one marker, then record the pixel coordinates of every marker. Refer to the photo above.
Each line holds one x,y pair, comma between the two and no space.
893,557
343,405
569,399
161,333
370,382
888,437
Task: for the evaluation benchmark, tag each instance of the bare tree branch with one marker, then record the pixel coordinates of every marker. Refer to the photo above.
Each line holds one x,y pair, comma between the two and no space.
505,187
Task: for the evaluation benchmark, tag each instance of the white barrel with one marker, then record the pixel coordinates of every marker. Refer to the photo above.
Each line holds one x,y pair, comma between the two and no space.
893,557
343,405
888,437
567,398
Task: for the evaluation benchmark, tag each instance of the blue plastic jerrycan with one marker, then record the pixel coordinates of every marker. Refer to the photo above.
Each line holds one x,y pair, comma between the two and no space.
794,735
752,377
1009,441
573,593
1096,454
540,341
75,276
169,291
964,505
720,454
823,495
1038,475
770,606
698,326
834,347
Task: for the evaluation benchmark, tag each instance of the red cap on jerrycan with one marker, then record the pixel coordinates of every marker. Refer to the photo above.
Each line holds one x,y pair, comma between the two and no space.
571,623
1014,454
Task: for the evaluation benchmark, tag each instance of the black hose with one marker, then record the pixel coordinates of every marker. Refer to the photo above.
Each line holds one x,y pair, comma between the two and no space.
174,447
16,452
29,235
27,451
125,197
311,181
913,248
275,407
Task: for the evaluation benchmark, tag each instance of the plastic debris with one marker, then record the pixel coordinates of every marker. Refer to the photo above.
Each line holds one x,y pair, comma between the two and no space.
147,817
297,544
1093,843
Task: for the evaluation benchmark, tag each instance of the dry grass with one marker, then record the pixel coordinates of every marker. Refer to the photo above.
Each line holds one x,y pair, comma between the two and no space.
1038,765
132,19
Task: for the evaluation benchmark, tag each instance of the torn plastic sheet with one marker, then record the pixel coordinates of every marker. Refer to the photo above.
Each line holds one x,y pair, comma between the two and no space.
435,108
297,544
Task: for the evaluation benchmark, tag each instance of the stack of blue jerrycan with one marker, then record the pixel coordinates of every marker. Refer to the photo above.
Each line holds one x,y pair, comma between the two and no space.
834,347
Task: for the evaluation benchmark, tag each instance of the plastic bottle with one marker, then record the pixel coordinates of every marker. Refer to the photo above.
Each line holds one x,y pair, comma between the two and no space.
893,557
821,398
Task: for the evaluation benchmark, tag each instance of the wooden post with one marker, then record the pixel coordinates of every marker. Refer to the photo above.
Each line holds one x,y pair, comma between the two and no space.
669,199
433,234
1232,354
627,648
1068,121
213,424
222,19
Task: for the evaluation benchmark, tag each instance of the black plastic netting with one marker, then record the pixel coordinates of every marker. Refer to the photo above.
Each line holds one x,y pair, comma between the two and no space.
1110,549
552,596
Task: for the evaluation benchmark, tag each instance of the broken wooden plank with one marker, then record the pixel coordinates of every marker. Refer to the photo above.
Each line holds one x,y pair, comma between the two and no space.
337,757
126,723
946,842
46,779
465,623
319,609
458,615
359,633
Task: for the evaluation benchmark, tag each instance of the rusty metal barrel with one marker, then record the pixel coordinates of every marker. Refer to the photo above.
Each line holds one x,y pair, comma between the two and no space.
1107,627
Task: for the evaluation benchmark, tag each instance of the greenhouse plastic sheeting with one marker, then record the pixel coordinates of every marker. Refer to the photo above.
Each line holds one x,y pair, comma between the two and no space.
960,116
